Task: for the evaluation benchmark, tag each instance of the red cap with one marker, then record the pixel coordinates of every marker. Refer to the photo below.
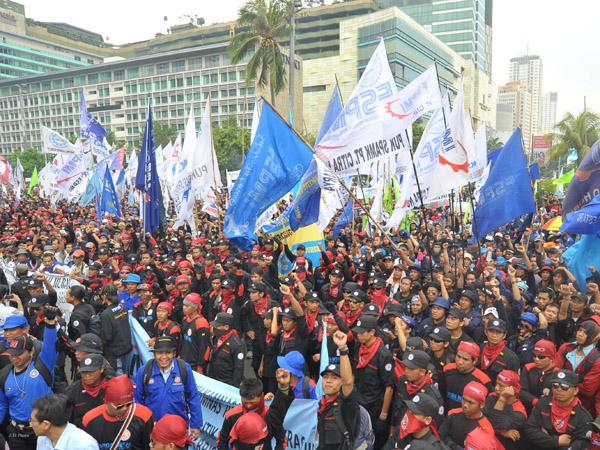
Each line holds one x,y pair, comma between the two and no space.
126,267
256,247
545,347
144,287
476,391
78,253
510,378
470,348
126,236
185,265
301,261
166,306
183,279
118,390
479,439
331,318
249,429
171,429
193,299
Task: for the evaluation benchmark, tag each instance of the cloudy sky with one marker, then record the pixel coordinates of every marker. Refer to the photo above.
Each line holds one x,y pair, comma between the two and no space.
560,32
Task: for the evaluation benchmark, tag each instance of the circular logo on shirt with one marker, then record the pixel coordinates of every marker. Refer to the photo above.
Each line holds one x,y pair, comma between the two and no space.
150,312
151,381
34,373
388,367
560,375
229,311
177,380
240,356
410,357
126,435
87,361
76,323
441,411
190,332
416,399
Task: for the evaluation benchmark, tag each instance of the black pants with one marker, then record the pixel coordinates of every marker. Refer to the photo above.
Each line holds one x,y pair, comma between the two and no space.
19,439
381,435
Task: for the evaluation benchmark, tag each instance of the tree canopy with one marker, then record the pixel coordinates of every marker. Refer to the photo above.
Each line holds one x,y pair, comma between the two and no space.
30,159
227,140
578,132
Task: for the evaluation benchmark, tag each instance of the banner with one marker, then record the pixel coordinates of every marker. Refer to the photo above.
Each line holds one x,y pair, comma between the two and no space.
584,221
204,166
53,142
61,284
580,256
585,184
9,271
540,148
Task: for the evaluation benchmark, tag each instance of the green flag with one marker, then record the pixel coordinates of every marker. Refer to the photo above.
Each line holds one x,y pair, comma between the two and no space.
467,212
566,178
388,201
34,180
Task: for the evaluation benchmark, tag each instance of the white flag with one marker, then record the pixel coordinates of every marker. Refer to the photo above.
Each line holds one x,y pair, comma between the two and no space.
255,120
53,142
454,161
481,150
202,170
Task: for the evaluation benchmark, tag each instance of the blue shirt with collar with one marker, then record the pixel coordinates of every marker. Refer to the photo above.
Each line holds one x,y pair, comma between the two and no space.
170,397
72,438
298,389
128,301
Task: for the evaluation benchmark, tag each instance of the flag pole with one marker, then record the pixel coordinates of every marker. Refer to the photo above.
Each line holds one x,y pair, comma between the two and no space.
243,126
212,156
335,174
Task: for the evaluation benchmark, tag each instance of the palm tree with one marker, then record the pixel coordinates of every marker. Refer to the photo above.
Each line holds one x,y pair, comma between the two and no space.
494,143
578,132
267,22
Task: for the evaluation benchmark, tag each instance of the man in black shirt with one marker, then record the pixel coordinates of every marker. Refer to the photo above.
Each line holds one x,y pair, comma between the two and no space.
115,331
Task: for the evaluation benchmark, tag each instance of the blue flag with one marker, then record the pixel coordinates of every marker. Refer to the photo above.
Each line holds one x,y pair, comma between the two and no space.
110,199
347,217
534,170
580,256
584,221
276,161
585,184
334,108
324,361
98,210
507,192
94,187
146,180
90,127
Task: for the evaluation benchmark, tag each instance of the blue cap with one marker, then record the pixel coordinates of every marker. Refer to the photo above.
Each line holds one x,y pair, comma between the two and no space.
523,285
500,261
531,318
404,234
15,321
409,321
443,302
415,267
132,278
293,362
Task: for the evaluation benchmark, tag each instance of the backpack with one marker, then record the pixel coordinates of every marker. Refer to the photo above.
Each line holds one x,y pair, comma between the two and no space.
39,366
306,387
94,326
148,371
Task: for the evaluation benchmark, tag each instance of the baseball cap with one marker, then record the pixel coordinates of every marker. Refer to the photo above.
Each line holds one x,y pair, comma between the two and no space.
34,283
458,313
423,404
132,278
371,309
417,359
365,323
38,300
87,342
19,345
491,310
470,294
15,321
228,284
182,279
333,368
91,362
258,287
580,296
289,313
336,272
293,362
496,324
312,296
165,343
222,318
440,334
563,376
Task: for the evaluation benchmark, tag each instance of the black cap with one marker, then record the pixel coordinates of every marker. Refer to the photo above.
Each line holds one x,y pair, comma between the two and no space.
312,296
470,294
359,295
258,287
301,247
458,313
333,368
268,314
88,342
269,241
417,359
19,344
222,318
209,255
103,251
414,343
91,362
228,284
395,309
565,376
440,334
38,300
34,283
496,324
379,282
165,344
131,258
288,281
337,273
371,309
580,296
365,323
289,313
95,266
423,404
105,272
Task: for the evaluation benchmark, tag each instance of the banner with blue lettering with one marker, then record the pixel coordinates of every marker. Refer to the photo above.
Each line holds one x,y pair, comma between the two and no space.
140,353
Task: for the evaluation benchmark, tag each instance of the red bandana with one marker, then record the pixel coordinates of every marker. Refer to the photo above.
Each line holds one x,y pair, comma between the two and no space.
490,353
351,317
410,424
560,414
311,320
93,391
412,388
334,290
228,295
261,307
224,338
365,354
288,334
260,408
326,403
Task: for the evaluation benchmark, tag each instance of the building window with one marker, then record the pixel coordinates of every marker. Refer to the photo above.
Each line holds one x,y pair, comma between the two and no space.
197,80
119,74
224,78
205,79
179,82
195,63
133,72
214,78
212,61
93,78
105,77
69,82
318,88
178,66
231,76
162,68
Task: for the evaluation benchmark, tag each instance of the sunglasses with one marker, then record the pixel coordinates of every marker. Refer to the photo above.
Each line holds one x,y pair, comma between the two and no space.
122,405
125,273
355,301
347,292
564,387
535,355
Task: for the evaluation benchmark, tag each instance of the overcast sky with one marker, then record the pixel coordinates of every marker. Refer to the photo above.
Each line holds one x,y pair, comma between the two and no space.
559,31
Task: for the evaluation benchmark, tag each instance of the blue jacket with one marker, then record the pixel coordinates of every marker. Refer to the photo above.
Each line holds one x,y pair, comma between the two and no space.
170,398
35,385
127,300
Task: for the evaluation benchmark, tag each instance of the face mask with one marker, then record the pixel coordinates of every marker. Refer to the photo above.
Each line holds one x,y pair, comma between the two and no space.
410,424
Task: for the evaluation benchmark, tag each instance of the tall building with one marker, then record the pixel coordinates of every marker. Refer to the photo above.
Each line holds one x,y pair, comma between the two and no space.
529,70
117,94
23,55
548,117
516,95
463,25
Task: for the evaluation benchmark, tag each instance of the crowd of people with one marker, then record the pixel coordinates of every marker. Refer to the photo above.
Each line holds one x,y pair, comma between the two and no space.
432,341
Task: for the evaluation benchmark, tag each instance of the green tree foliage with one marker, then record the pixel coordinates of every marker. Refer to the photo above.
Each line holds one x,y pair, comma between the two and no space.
30,159
163,133
494,143
268,22
227,140
417,130
578,132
